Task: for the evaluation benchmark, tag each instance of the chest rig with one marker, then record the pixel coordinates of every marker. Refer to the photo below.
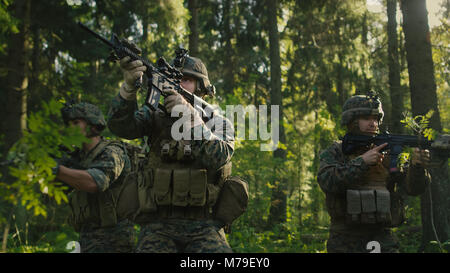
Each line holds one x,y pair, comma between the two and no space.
172,183
371,200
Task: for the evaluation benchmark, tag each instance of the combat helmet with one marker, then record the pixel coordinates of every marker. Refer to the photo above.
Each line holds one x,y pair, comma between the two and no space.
362,105
194,67
83,110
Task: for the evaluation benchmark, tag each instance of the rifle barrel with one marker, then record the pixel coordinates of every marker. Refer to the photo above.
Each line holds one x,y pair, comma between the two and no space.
103,39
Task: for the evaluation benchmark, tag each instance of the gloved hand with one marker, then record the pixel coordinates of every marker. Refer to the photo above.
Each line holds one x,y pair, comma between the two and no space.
173,99
420,157
132,71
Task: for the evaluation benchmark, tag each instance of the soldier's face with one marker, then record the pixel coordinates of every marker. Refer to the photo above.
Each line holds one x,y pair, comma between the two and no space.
81,123
189,84
368,125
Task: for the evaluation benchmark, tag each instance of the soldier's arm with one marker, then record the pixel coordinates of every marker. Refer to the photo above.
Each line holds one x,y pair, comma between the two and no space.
335,175
415,180
78,179
414,177
216,147
107,167
126,121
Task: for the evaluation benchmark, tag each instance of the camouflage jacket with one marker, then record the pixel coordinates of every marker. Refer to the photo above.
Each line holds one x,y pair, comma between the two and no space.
338,172
108,167
213,151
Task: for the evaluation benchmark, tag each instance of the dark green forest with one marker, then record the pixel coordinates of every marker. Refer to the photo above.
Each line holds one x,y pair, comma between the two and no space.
306,56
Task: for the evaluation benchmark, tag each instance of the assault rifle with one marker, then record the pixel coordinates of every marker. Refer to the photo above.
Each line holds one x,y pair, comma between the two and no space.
163,74
352,143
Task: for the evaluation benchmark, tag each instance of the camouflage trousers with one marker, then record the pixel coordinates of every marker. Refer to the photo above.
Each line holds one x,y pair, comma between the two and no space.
117,239
357,242
182,236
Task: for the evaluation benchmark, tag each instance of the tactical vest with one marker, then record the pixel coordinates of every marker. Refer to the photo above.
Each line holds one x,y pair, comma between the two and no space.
105,208
173,184
372,200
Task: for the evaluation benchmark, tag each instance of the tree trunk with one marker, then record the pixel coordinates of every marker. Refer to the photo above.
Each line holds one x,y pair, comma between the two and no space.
396,91
145,23
34,97
279,198
14,118
424,99
365,81
342,93
15,107
193,27
228,70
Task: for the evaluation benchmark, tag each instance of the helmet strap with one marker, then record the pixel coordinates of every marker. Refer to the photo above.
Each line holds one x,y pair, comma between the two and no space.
199,88
92,131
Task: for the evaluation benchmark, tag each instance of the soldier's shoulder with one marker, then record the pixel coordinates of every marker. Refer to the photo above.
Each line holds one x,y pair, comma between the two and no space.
334,147
331,151
115,148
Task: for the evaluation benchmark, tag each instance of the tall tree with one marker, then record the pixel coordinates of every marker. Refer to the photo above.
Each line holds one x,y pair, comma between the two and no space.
396,91
279,192
434,204
15,106
14,112
193,27
227,33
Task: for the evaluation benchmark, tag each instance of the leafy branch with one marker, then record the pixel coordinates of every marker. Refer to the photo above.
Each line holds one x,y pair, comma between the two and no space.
33,156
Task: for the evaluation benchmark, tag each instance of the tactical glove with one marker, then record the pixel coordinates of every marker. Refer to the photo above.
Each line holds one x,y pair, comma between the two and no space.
132,71
420,158
173,99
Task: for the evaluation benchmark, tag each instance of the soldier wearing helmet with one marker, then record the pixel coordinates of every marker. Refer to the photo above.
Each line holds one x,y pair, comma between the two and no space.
364,200
96,172
183,178
86,112
193,69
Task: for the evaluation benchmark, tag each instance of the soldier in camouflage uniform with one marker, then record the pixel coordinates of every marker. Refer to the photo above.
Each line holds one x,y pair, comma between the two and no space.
182,180
363,198
96,173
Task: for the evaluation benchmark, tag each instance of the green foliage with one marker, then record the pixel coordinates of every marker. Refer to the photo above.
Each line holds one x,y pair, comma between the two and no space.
420,124
440,39
35,154
49,242
329,50
435,247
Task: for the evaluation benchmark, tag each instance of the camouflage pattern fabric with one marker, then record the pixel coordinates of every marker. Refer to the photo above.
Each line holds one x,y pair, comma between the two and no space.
182,236
108,168
83,110
337,173
112,163
357,243
361,105
126,121
211,152
118,239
